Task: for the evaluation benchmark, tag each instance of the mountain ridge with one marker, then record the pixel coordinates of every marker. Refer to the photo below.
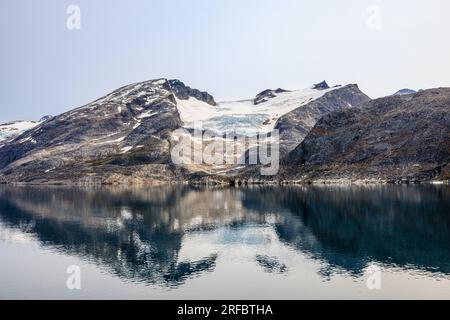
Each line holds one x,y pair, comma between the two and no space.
126,136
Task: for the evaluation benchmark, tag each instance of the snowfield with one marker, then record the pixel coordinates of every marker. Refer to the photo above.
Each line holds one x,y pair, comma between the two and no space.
12,129
244,117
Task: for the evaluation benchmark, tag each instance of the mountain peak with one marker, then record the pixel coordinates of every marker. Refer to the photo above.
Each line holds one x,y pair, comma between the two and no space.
265,95
46,118
321,86
405,91
184,92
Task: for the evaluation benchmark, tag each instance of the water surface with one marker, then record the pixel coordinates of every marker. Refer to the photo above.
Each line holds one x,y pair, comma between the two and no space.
232,243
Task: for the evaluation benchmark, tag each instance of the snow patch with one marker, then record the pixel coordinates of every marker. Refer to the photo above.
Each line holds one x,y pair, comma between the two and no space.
112,141
126,149
147,114
12,129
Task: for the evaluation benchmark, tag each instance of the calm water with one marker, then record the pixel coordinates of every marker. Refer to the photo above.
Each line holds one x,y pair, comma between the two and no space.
249,243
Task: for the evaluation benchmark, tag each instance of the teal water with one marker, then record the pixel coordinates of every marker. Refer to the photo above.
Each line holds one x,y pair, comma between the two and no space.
233,243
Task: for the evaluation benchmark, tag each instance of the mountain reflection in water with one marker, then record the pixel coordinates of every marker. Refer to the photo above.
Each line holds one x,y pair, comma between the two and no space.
139,234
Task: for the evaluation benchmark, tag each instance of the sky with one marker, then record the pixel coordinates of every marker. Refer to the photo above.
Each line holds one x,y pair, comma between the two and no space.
231,48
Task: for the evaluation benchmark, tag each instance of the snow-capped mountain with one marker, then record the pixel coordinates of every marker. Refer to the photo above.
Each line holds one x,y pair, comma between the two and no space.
126,136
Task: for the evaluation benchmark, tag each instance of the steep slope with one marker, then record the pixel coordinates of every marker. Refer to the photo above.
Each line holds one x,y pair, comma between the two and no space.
401,137
295,125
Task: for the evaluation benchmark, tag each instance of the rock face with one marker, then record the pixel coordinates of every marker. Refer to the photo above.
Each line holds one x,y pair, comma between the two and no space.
294,126
266,95
321,86
401,137
184,92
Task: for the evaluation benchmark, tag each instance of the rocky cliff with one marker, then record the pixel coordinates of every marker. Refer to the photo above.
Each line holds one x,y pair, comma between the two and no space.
397,138
295,125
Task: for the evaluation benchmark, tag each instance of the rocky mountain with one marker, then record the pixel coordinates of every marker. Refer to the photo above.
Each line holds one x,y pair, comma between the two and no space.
397,138
127,136
122,136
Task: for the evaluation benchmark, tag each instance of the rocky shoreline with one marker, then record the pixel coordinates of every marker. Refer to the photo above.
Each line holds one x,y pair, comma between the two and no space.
224,181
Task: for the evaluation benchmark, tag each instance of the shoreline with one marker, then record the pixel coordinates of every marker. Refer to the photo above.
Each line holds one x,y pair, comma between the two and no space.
236,183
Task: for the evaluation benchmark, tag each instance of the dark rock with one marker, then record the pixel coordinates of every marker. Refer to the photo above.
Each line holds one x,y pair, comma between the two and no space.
268,94
183,92
321,86
294,126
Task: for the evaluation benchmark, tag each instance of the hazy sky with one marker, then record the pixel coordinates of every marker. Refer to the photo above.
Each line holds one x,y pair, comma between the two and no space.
231,48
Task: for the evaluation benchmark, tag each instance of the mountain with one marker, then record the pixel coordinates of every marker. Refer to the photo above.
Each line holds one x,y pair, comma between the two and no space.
117,134
396,138
126,136
326,134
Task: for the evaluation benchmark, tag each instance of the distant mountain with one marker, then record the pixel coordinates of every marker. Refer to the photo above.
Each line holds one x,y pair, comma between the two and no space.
404,91
397,138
